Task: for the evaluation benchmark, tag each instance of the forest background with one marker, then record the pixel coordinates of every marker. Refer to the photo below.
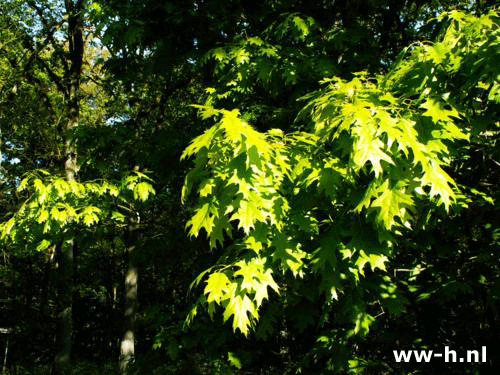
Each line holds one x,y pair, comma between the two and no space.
267,187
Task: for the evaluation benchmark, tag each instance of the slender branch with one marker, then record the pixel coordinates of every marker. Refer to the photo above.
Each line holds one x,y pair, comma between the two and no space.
47,26
57,80
40,13
41,46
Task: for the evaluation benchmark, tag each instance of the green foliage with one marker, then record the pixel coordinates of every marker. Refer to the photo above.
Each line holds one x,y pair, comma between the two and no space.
342,199
56,208
335,201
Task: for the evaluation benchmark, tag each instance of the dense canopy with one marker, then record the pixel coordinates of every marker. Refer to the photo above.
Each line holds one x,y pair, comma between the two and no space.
230,187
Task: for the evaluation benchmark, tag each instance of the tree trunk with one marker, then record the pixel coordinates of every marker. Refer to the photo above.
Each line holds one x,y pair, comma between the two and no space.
127,344
45,287
74,12
111,337
65,308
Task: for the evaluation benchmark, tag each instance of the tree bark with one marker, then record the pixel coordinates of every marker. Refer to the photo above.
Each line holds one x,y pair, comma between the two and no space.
74,12
65,308
111,337
45,288
127,344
